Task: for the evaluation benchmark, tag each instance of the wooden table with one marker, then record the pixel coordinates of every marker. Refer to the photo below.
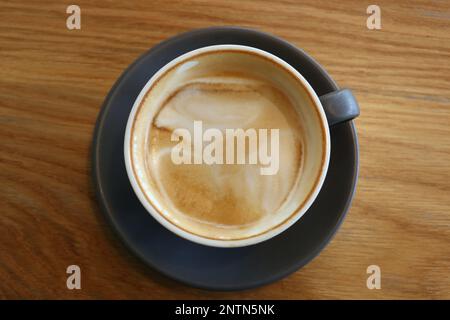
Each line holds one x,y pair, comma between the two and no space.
53,82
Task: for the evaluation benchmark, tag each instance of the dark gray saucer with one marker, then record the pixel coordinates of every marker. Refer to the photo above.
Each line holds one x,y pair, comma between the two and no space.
194,264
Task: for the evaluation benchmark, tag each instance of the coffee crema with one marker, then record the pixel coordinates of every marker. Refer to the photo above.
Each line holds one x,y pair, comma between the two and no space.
223,90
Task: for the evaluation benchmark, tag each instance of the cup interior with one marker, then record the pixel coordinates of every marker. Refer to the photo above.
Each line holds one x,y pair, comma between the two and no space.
315,149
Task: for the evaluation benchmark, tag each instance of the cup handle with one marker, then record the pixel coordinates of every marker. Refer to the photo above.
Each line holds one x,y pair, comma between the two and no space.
339,106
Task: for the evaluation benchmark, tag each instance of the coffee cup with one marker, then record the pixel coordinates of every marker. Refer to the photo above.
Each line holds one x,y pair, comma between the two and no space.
229,145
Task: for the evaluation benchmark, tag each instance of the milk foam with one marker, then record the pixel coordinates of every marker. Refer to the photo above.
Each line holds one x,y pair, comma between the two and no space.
225,195
228,201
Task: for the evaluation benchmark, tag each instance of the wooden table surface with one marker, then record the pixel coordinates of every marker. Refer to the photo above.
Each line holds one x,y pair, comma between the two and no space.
53,82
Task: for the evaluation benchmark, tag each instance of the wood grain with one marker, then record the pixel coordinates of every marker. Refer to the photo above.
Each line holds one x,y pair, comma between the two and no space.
53,82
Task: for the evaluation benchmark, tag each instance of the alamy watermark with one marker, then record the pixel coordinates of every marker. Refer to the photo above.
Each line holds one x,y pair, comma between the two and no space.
374,20
74,279
73,22
374,280
234,146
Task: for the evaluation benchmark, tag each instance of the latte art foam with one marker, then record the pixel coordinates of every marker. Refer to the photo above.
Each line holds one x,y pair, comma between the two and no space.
224,90
225,195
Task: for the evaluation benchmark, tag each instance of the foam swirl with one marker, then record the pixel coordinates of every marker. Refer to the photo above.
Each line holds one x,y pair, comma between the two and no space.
225,196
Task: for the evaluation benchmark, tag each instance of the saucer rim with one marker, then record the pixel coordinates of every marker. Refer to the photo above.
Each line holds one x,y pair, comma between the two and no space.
106,210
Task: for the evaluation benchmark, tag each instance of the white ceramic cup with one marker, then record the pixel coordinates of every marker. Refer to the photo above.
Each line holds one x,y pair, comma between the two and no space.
315,162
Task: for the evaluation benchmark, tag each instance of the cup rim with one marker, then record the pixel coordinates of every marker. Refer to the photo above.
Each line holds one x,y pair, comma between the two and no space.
266,234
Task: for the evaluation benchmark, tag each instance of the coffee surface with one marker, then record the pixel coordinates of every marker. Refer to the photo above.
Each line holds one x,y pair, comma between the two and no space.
220,200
